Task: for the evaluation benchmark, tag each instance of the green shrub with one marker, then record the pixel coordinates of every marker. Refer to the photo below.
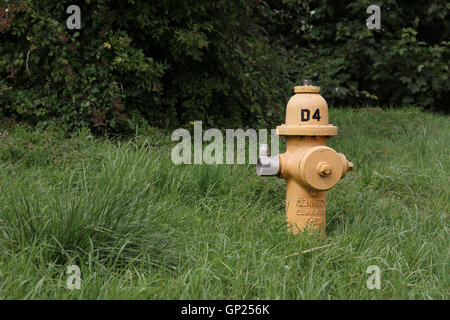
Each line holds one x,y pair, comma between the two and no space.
405,62
229,63
167,62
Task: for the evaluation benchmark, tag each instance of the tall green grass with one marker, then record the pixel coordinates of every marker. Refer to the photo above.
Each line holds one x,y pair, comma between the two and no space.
141,227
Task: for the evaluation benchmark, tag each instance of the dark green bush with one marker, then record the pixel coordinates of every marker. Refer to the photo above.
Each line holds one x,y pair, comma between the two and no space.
405,62
229,63
167,62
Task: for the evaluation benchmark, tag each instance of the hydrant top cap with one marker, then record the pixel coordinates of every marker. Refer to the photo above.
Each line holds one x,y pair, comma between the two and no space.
307,87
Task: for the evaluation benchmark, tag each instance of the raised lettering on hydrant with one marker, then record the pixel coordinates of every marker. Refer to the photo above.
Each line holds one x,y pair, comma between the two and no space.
308,165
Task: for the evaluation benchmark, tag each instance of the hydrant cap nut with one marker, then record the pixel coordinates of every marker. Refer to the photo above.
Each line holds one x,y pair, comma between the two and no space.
321,168
324,169
349,166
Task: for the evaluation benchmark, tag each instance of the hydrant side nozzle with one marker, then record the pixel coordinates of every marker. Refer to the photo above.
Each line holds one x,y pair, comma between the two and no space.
267,165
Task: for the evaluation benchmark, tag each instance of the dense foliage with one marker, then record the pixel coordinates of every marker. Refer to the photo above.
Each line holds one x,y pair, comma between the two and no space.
229,63
404,62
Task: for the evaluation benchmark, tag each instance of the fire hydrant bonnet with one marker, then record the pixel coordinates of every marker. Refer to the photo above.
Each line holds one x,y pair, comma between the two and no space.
307,114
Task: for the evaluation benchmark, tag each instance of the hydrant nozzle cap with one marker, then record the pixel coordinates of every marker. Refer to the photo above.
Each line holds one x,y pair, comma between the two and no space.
321,168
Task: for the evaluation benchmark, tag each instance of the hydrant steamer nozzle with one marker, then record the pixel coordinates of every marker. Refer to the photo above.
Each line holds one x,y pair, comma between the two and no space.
308,165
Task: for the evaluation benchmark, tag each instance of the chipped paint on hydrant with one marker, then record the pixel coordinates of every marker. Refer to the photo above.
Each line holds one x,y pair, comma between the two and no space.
308,165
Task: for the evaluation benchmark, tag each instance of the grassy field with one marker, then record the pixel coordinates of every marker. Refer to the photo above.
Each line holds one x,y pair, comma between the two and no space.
141,227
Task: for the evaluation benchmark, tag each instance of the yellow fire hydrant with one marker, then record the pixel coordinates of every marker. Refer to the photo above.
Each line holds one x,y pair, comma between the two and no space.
308,165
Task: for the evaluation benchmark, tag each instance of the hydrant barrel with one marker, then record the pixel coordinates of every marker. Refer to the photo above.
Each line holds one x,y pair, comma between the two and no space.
308,165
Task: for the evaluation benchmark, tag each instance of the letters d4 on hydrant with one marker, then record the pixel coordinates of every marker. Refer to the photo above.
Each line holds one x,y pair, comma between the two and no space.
308,165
